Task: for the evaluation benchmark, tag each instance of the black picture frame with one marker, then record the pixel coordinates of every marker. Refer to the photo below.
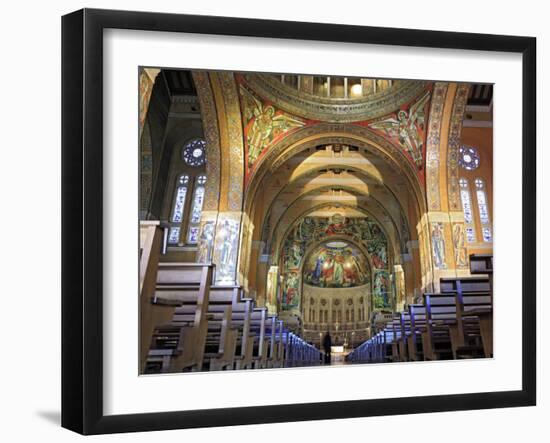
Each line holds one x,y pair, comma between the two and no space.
82,218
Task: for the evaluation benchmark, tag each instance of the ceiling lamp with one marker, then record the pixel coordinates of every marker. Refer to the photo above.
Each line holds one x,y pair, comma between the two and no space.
357,90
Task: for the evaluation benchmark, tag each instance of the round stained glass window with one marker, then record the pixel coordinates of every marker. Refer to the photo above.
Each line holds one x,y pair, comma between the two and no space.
194,152
468,158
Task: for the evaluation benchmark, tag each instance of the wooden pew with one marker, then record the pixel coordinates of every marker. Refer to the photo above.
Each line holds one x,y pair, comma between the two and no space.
150,241
298,352
473,297
404,319
453,319
258,322
483,264
205,327
417,316
229,342
188,328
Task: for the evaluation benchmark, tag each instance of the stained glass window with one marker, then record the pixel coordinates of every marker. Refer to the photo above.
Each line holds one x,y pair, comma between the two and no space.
198,199
194,152
196,210
174,235
179,203
468,157
466,202
483,210
467,209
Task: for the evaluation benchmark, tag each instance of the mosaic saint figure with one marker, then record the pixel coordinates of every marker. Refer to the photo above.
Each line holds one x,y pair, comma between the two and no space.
381,289
265,123
296,255
338,278
438,244
204,253
406,128
228,248
459,246
291,289
316,275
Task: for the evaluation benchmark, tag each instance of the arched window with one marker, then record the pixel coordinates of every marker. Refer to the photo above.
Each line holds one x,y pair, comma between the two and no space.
180,198
467,209
189,194
483,210
196,210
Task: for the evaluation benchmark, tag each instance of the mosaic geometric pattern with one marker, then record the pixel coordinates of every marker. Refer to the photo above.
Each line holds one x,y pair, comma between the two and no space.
455,130
432,146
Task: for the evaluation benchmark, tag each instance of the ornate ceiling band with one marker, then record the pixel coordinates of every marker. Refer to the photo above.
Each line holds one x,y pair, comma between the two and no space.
455,129
432,146
212,136
313,107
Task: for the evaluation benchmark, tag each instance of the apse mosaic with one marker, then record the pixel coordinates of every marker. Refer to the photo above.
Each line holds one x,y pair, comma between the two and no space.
310,230
361,230
336,265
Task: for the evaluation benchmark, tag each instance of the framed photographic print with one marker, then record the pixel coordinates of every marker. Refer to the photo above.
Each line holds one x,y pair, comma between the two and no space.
278,221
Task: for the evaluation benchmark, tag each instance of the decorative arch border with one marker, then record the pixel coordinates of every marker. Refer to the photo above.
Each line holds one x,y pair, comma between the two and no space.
212,137
226,100
433,141
457,116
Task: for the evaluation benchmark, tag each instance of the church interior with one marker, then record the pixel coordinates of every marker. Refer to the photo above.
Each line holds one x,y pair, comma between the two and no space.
299,220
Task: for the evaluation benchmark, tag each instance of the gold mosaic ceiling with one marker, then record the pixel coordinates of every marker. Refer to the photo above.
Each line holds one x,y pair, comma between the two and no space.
335,99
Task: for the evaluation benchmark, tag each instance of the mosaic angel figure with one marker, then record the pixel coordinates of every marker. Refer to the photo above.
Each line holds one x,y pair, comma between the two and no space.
406,128
266,124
